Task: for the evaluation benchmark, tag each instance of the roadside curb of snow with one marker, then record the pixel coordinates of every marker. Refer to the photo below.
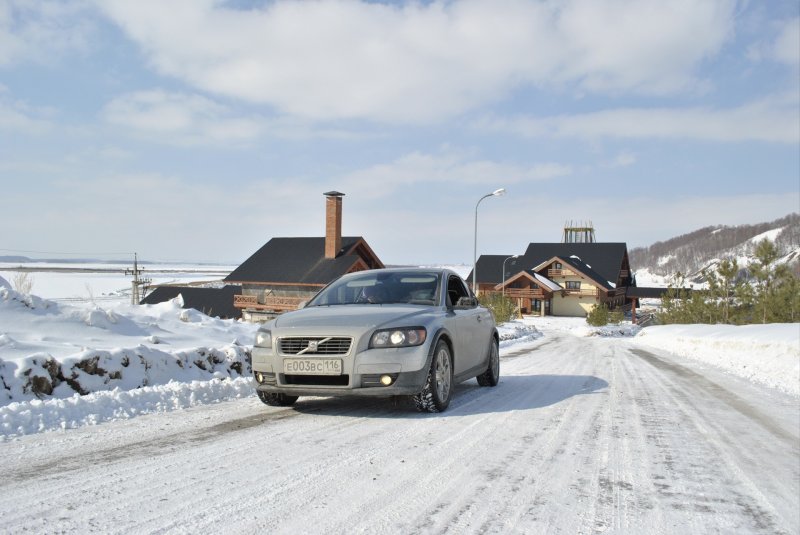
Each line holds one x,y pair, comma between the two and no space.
735,350
36,416
516,332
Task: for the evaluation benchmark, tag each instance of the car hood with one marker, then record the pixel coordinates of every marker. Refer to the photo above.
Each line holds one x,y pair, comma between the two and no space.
365,316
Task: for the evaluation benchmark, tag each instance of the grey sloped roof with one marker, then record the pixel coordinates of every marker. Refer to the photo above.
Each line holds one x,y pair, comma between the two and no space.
295,261
490,268
587,270
209,301
603,258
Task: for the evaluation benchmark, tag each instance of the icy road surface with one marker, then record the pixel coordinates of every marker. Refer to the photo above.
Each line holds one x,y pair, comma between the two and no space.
583,435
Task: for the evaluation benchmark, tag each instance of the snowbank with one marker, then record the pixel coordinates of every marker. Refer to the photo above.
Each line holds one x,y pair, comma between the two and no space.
517,331
767,354
36,416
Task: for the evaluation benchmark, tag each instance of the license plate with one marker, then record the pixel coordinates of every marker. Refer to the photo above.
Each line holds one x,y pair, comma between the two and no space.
312,366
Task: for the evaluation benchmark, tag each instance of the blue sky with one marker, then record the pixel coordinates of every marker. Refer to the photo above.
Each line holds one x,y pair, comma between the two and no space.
196,130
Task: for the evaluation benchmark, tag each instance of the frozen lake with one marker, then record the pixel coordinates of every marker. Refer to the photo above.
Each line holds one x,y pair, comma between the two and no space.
104,281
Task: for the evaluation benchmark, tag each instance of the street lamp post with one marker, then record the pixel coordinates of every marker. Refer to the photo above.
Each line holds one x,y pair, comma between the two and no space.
495,193
504,272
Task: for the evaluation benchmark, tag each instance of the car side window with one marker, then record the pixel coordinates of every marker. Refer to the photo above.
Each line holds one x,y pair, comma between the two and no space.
455,290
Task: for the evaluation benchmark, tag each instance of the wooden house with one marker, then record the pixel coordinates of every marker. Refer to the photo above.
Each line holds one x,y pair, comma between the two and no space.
288,271
559,279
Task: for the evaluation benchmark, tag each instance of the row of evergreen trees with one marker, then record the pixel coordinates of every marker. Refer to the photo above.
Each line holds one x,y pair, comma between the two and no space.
760,293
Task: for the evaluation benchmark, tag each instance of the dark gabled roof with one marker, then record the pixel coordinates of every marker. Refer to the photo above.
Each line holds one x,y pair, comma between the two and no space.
209,301
295,261
490,268
543,282
604,258
587,270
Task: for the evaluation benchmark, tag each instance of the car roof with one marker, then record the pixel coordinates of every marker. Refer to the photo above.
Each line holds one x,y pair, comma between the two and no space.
413,269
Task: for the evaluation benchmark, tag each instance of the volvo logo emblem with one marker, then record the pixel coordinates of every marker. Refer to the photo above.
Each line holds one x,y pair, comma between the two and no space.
313,346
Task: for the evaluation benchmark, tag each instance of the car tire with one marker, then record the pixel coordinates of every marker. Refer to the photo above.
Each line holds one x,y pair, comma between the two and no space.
492,374
276,400
435,397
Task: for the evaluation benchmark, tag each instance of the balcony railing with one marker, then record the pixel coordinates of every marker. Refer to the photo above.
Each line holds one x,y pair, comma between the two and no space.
583,292
270,302
524,293
559,273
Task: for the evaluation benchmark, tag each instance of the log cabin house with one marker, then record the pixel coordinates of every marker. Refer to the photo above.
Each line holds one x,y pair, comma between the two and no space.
559,279
285,272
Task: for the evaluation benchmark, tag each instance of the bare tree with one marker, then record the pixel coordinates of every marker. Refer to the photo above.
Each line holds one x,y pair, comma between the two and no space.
23,282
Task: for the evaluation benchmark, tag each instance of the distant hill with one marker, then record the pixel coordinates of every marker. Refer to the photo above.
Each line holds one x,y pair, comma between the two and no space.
690,253
15,259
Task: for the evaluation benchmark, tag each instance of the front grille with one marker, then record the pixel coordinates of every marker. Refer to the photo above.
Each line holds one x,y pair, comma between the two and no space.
326,345
317,380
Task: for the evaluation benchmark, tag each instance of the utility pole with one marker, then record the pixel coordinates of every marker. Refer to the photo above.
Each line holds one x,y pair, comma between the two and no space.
137,281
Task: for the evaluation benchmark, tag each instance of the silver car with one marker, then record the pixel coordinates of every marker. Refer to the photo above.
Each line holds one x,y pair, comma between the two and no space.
385,332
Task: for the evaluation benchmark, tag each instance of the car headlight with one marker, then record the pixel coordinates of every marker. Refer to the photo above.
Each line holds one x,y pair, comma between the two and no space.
264,339
402,337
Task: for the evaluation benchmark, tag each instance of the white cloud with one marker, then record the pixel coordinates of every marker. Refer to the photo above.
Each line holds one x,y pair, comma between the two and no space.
624,159
42,30
771,120
418,62
180,118
18,117
446,167
189,119
786,48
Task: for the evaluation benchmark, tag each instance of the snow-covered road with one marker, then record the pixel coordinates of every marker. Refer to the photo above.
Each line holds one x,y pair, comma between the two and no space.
583,435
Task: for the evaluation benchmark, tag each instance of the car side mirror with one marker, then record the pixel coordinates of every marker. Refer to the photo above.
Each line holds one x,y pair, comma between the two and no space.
466,302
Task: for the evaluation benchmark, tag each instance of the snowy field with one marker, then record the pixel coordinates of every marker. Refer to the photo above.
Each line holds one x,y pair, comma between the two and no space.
105,283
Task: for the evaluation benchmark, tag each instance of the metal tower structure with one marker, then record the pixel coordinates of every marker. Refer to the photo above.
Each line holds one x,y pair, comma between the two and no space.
582,232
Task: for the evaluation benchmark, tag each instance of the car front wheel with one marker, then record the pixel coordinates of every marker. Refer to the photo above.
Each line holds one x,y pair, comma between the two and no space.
276,400
435,397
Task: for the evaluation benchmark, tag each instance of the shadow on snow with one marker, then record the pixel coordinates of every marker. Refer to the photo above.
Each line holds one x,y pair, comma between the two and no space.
513,393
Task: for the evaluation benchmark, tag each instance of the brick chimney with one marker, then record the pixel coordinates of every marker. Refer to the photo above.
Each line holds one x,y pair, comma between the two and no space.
333,223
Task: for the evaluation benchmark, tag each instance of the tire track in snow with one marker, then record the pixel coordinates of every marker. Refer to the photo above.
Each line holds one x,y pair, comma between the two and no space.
722,424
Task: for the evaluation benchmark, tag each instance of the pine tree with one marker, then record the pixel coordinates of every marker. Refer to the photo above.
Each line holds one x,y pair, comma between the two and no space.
727,269
766,253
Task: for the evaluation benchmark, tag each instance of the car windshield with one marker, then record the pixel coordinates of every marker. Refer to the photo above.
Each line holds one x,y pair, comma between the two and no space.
381,287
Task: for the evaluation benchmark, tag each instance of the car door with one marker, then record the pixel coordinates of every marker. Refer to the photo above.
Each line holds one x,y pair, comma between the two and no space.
469,349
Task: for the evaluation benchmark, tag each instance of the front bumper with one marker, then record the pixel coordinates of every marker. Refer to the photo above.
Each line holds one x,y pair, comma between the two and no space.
407,383
361,372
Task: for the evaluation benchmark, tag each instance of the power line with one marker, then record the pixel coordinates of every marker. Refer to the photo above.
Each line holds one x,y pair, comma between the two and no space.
128,253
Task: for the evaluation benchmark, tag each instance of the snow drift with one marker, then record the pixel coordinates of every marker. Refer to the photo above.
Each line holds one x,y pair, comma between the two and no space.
767,354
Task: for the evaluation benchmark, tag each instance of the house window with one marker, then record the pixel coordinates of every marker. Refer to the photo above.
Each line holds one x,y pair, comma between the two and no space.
557,265
573,285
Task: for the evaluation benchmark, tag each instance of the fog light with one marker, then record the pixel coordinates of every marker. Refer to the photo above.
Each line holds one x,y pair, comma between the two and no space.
386,380
259,377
